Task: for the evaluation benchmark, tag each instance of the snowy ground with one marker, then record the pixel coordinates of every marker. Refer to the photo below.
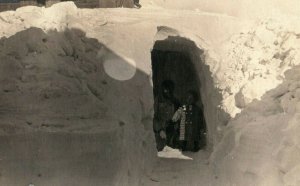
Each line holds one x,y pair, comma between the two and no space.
178,172
58,159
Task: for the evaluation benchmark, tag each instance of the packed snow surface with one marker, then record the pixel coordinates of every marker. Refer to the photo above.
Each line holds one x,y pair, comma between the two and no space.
169,152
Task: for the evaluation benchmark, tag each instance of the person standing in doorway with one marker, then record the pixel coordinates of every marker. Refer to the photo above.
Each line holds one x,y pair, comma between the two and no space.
192,123
165,105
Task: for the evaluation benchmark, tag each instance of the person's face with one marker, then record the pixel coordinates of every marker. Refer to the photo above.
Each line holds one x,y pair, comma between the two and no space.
166,93
190,99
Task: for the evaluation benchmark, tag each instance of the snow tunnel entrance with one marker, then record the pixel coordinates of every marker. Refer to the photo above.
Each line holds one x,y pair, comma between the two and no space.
171,62
176,67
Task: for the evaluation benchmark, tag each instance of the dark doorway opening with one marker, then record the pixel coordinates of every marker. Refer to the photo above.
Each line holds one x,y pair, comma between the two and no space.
178,67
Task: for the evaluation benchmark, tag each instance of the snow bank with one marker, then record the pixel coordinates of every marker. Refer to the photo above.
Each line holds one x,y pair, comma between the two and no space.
261,145
57,82
255,61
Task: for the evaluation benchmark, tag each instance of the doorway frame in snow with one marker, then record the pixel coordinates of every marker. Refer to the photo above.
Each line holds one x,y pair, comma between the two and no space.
207,64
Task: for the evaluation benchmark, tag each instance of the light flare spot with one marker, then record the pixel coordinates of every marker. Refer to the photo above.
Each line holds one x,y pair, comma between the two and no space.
119,68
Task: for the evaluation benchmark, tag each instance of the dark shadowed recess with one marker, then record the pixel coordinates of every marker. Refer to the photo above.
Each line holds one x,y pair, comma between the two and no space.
175,64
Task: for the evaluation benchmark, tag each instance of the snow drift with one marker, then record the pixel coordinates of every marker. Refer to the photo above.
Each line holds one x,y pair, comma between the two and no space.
261,144
57,82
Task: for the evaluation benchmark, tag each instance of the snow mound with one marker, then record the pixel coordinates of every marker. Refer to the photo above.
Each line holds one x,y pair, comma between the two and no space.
58,17
57,82
261,144
256,61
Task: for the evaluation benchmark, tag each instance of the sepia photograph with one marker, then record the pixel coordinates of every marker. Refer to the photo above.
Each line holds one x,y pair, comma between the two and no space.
149,93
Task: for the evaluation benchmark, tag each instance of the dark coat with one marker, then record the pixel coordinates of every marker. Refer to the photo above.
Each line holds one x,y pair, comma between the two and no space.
194,123
164,110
